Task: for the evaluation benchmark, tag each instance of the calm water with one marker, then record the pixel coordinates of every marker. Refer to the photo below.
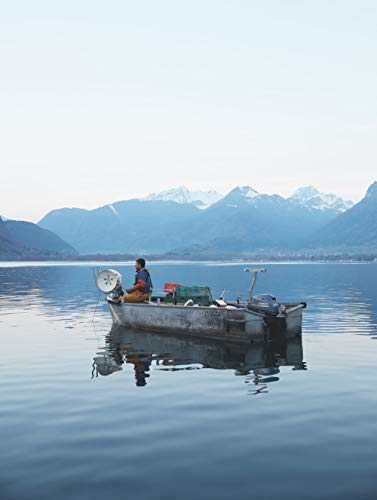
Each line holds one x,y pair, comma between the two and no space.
89,413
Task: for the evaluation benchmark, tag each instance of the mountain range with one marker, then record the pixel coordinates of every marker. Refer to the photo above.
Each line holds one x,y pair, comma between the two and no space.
242,221
355,228
180,222
182,195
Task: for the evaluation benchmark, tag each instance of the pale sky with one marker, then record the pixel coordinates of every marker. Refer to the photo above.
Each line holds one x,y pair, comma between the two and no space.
105,100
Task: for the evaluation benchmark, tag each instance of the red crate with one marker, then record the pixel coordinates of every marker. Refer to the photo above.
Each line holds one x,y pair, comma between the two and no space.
171,287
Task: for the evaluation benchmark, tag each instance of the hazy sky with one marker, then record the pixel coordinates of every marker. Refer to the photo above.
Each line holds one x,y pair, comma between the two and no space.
104,100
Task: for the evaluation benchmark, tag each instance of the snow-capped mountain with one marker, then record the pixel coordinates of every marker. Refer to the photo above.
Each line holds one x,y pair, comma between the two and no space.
310,197
306,197
246,192
357,227
246,219
182,195
372,192
242,220
240,195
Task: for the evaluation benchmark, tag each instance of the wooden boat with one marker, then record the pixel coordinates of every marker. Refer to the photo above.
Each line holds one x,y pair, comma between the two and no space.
250,321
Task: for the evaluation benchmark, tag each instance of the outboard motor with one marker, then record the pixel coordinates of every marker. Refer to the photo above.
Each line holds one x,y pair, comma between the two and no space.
266,304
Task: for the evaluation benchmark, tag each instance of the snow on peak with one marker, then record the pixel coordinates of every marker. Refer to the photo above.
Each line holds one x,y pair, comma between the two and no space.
243,192
247,192
305,193
241,195
372,190
113,209
183,195
310,197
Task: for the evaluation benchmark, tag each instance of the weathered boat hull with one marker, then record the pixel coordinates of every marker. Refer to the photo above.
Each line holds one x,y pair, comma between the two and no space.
237,325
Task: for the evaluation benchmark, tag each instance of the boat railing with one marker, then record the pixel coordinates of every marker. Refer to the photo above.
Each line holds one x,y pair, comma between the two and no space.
230,292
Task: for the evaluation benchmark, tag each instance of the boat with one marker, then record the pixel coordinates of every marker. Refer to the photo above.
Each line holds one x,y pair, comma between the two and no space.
249,321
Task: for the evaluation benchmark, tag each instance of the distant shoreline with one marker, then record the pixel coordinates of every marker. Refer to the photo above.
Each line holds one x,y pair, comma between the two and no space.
157,260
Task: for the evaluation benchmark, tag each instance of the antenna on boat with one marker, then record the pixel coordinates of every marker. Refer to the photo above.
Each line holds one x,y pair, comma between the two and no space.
254,273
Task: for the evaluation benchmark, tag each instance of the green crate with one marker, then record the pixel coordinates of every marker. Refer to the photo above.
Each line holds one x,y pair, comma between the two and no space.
199,294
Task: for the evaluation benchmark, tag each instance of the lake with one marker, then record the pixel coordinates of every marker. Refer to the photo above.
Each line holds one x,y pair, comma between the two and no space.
92,413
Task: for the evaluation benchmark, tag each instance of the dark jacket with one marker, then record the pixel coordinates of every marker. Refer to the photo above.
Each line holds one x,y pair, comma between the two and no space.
143,281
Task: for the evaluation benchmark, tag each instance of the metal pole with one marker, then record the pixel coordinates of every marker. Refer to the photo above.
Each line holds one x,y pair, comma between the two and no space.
253,283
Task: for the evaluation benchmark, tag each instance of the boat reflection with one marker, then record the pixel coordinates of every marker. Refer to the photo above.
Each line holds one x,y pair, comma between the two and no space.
258,363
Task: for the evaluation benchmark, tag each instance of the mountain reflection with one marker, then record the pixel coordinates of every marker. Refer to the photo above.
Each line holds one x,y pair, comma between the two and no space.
258,363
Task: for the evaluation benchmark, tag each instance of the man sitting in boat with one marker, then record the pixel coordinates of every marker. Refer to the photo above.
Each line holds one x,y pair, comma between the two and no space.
142,285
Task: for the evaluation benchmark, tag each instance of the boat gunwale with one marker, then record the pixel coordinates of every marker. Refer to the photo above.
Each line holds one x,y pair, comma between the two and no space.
290,308
181,306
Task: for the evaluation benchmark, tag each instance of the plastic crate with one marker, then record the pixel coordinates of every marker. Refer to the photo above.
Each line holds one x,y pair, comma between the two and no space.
199,294
171,287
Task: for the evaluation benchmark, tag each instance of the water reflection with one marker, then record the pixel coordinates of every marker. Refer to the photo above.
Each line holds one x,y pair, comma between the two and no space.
191,420
258,363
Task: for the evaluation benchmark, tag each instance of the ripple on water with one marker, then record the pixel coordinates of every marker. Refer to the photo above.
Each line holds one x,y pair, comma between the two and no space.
84,416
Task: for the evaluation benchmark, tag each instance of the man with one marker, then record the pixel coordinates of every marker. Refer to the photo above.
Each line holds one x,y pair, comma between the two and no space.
142,286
